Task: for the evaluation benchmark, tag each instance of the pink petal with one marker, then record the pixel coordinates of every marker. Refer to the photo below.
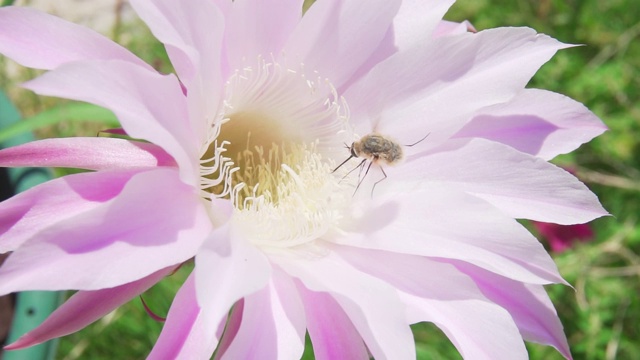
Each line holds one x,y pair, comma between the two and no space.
457,281
269,329
478,329
521,185
330,329
86,153
227,270
38,40
529,305
361,296
415,275
229,328
149,105
423,86
417,20
23,216
155,222
336,37
386,48
446,28
445,223
538,122
85,307
183,335
259,28
193,35
428,285
412,25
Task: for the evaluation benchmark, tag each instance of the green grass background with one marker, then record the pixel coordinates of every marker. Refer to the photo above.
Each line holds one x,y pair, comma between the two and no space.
602,314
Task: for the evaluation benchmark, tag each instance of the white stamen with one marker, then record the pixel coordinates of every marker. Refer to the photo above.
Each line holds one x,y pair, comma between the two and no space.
280,182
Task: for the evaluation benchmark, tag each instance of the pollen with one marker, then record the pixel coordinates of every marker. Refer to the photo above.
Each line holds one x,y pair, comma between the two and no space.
295,199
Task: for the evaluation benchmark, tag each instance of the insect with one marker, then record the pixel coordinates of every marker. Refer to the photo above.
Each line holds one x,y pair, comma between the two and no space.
375,148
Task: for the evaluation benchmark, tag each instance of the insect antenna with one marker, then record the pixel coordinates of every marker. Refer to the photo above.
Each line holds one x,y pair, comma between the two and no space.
419,141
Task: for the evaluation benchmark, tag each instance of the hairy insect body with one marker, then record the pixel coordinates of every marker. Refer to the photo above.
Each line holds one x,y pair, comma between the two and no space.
375,147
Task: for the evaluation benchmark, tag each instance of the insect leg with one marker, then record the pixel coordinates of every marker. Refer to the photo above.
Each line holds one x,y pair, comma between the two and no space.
365,175
384,178
357,167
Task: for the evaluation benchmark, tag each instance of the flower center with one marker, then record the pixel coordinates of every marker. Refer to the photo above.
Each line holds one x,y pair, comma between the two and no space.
269,153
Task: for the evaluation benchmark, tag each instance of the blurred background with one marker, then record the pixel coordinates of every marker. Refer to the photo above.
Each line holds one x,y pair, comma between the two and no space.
601,314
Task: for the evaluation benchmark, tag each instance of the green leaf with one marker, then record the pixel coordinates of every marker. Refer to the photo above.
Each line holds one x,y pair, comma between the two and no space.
7,3
68,112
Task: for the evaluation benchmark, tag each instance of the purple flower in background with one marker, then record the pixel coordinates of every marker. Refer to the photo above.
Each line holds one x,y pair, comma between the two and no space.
562,237
235,168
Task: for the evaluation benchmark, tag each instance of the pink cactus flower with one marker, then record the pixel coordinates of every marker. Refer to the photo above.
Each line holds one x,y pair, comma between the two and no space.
235,168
